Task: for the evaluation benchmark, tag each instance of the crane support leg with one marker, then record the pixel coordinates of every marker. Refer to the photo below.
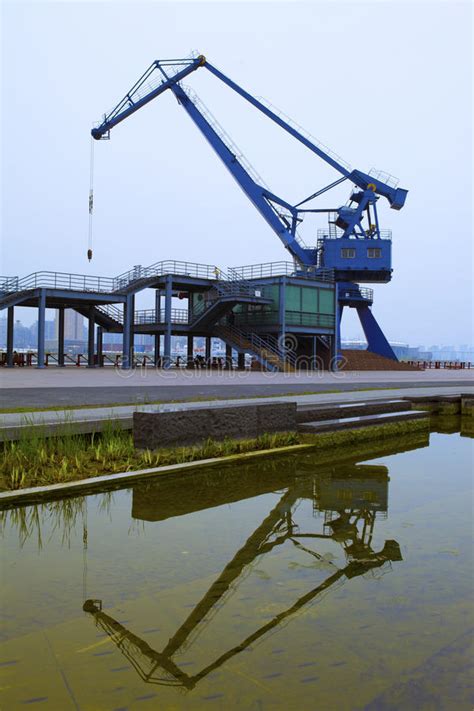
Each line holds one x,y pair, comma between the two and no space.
376,341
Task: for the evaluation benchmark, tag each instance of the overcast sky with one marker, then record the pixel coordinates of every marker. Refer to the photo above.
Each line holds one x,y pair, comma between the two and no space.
385,84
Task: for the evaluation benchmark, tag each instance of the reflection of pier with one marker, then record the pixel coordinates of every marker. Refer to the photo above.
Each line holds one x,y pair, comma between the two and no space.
160,500
351,499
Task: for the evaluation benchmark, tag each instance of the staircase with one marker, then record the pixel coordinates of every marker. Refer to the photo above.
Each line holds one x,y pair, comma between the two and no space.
266,350
226,292
13,298
108,316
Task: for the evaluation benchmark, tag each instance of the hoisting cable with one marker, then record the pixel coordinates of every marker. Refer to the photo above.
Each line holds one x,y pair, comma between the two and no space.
91,200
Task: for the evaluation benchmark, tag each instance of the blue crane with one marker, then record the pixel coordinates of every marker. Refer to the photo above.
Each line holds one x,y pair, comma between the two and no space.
353,245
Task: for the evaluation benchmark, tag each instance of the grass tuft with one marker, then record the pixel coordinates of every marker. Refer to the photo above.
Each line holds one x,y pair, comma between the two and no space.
37,460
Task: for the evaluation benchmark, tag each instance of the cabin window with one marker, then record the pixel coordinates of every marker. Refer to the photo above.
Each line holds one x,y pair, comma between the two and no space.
374,253
348,253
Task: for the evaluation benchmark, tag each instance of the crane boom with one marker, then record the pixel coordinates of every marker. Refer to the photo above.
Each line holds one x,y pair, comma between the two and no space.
280,215
257,194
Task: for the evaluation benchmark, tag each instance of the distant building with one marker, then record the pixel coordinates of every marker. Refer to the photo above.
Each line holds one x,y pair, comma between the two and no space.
73,325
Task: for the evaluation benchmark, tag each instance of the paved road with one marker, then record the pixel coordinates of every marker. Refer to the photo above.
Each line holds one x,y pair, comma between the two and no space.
62,396
53,387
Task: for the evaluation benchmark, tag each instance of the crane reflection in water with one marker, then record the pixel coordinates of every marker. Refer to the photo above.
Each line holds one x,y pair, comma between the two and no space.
346,502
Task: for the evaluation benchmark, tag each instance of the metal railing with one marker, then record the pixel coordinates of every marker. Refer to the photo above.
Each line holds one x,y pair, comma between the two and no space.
360,293
440,364
112,311
58,280
148,316
236,282
306,134
333,232
281,211
228,286
276,347
384,177
273,269
84,282
8,284
191,269
145,316
293,318
312,320
224,136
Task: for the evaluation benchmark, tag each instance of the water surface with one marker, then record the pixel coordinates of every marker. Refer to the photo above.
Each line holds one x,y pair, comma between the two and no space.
291,583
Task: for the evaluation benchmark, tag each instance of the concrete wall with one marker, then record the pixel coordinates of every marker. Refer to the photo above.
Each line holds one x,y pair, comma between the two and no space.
183,427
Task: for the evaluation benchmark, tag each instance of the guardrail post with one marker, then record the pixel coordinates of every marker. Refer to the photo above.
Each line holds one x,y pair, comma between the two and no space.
61,337
41,327
168,297
10,327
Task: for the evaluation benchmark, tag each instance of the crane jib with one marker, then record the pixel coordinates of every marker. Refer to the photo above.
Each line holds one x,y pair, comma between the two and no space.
357,219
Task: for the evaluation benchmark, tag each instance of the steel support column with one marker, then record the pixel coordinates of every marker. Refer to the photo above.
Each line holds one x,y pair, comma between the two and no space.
91,339
282,315
314,353
190,352
128,318
132,331
10,335
61,337
100,346
157,340
157,305
41,327
168,303
208,350
336,340
228,357
241,361
157,349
